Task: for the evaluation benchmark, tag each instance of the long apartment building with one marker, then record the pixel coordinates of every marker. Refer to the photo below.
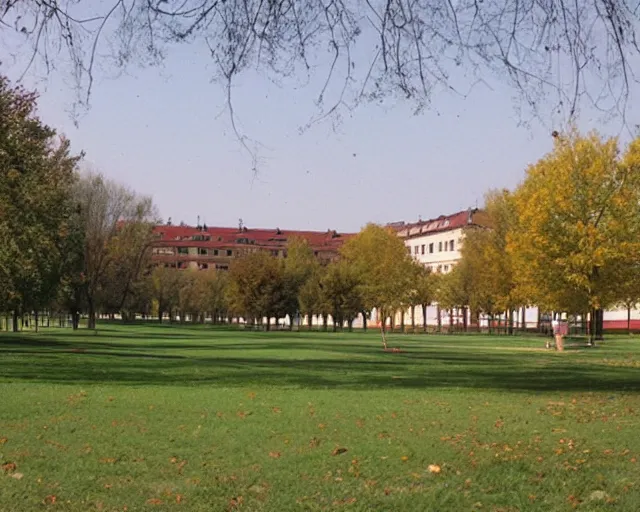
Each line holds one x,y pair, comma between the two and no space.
208,248
436,243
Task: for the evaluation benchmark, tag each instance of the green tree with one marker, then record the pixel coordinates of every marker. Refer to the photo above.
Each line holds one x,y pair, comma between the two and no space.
164,285
257,286
340,286
36,173
422,292
384,269
299,266
118,235
578,223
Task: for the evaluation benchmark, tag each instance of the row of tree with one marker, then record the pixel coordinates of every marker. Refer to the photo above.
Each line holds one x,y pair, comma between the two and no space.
70,242
567,239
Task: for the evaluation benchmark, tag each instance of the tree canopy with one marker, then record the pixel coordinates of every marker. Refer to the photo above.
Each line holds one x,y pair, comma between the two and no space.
556,55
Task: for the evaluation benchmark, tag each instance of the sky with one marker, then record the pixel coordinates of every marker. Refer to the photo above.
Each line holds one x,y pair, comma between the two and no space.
165,132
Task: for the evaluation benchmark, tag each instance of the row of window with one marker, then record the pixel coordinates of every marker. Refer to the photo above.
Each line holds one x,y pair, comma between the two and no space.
443,246
211,252
205,252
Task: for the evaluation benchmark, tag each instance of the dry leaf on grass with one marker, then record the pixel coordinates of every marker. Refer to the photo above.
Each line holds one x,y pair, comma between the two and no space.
3,440
434,468
338,451
154,501
275,455
17,476
9,467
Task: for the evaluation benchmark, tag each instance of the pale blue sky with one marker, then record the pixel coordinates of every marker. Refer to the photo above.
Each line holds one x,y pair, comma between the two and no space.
160,131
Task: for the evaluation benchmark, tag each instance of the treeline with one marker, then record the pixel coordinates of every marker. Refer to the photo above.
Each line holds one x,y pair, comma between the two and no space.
70,242
567,239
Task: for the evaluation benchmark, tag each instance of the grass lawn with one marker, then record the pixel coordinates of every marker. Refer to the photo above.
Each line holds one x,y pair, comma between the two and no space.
179,418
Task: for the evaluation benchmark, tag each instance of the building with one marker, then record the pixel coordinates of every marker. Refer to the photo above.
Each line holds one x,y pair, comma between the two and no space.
436,243
209,248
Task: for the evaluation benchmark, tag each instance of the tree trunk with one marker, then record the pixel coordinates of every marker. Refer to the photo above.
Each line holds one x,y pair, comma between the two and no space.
335,322
383,329
439,315
413,318
523,321
510,325
91,324
465,323
160,314
36,318
628,319
325,320
402,320
268,327
15,321
364,320
75,320
451,321
599,324
424,317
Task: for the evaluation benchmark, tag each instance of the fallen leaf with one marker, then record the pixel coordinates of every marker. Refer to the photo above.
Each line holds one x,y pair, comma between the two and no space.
178,498
3,440
235,502
108,460
314,442
434,468
154,501
598,496
108,486
275,455
50,500
499,424
251,395
404,458
17,476
9,467
338,451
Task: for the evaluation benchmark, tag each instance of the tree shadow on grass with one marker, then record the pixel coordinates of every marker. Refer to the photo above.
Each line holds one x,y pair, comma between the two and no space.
340,366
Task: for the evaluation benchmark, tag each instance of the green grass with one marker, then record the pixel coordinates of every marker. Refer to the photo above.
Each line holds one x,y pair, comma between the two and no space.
178,418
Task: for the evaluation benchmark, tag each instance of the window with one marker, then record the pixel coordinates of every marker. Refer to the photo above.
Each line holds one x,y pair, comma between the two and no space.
222,267
229,252
451,242
416,249
202,252
431,248
439,268
422,249
203,266
215,252
183,250
439,246
446,268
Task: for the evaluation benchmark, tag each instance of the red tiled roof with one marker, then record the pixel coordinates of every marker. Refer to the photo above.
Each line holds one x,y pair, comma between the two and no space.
225,237
440,224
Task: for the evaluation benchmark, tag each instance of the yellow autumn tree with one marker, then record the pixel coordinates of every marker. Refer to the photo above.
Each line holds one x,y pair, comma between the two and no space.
384,269
578,226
